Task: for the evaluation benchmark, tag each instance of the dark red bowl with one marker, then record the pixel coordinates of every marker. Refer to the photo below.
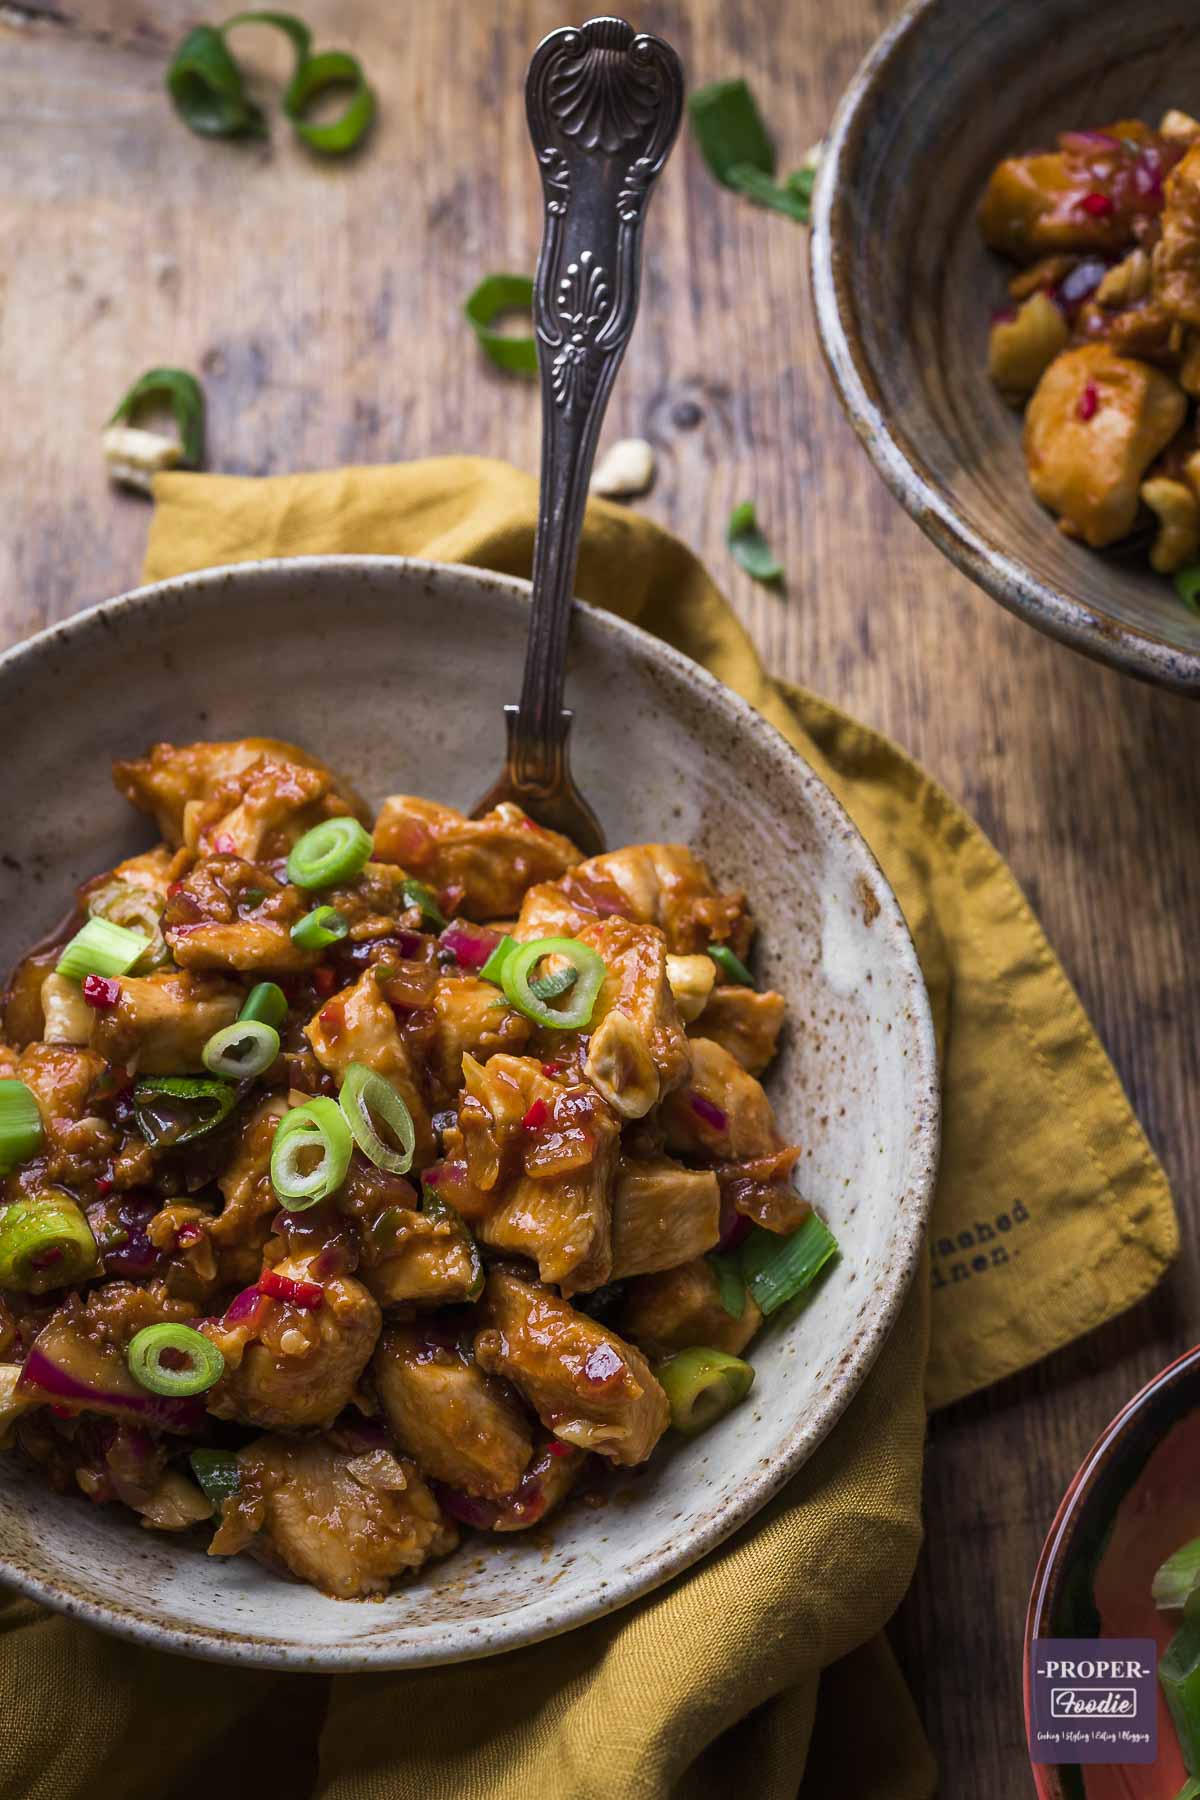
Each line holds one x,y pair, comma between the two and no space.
1062,1588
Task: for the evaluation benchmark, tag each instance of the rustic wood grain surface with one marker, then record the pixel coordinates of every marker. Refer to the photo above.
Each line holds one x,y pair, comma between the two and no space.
321,303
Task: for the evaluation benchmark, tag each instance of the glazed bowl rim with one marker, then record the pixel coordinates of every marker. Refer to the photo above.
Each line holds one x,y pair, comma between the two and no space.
1139,652
921,1138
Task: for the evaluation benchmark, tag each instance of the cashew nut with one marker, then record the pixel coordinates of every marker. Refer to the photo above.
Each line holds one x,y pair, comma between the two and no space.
1129,281
1020,350
1178,513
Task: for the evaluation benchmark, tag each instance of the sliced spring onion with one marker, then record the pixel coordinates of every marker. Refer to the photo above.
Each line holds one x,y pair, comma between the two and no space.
495,296
138,909
101,948
434,1207
323,925
731,966
195,1364
730,1282
1187,586
207,90
217,1473
1179,1677
45,1243
1178,1578
776,1269
177,1109
266,1004
750,548
415,893
310,1154
1190,1789
186,398
553,987
21,1130
369,1103
331,852
496,961
764,190
520,965
331,68
702,1386
730,131
241,1051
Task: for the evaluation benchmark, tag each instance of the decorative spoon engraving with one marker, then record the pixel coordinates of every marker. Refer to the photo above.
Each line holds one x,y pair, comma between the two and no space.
604,106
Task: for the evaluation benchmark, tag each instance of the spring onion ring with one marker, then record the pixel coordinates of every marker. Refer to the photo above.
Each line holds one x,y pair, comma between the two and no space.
266,1004
366,1097
553,987
203,1364
776,1269
331,68
101,948
496,961
21,1129
589,968
702,1386
186,398
177,1109
331,852
322,926
45,1243
316,1130
496,295
241,1051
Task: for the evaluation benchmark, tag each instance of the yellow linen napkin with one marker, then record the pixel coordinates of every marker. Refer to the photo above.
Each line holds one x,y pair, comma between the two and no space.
764,1668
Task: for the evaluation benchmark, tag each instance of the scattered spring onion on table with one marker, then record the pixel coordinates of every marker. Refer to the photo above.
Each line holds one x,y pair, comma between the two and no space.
702,1386
331,852
21,1129
101,948
184,395
731,966
375,1112
495,296
310,1154
740,152
174,1360
322,926
45,1242
750,548
208,90
517,977
778,1269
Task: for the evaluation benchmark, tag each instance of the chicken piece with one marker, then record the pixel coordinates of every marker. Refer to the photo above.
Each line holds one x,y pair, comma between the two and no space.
745,1022
417,1258
292,1366
459,1425
358,1026
161,1023
14,1401
473,1018
66,1016
24,1017
64,1080
343,1519
662,1214
240,1231
548,1152
1021,349
1176,258
1093,427
652,884
231,914
553,1470
586,1384
481,867
638,1050
691,979
178,783
175,1505
1035,205
724,1115
680,1308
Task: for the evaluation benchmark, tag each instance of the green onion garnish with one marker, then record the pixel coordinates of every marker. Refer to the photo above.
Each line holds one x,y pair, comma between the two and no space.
101,948
208,91
323,925
310,1154
177,1109
195,1365
791,198
1187,586
217,1473
1178,1578
186,398
45,1243
731,966
589,968
738,149
434,1207
776,1269
496,961
750,548
366,1097
331,852
415,893
242,1051
553,987
702,1386
21,1130
1179,1677
266,1003
730,1283
495,295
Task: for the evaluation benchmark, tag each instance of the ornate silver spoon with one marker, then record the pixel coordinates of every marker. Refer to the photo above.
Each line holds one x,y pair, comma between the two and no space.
604,106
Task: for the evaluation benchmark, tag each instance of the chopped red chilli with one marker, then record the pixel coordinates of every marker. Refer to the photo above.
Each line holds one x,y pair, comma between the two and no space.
100,992
1097,206
305,1294
1089,403
537,1115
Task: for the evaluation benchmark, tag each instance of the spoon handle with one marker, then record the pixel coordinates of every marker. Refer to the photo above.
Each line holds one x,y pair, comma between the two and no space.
604,105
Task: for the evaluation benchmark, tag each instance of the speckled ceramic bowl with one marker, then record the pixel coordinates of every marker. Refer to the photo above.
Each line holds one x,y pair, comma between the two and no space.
905,288
396,672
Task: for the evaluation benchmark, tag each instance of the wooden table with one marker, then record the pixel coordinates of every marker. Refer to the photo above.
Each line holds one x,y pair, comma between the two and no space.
321,305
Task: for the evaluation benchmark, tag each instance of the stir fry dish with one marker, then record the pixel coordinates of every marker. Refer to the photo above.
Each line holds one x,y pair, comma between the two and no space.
1101,342
368,1181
